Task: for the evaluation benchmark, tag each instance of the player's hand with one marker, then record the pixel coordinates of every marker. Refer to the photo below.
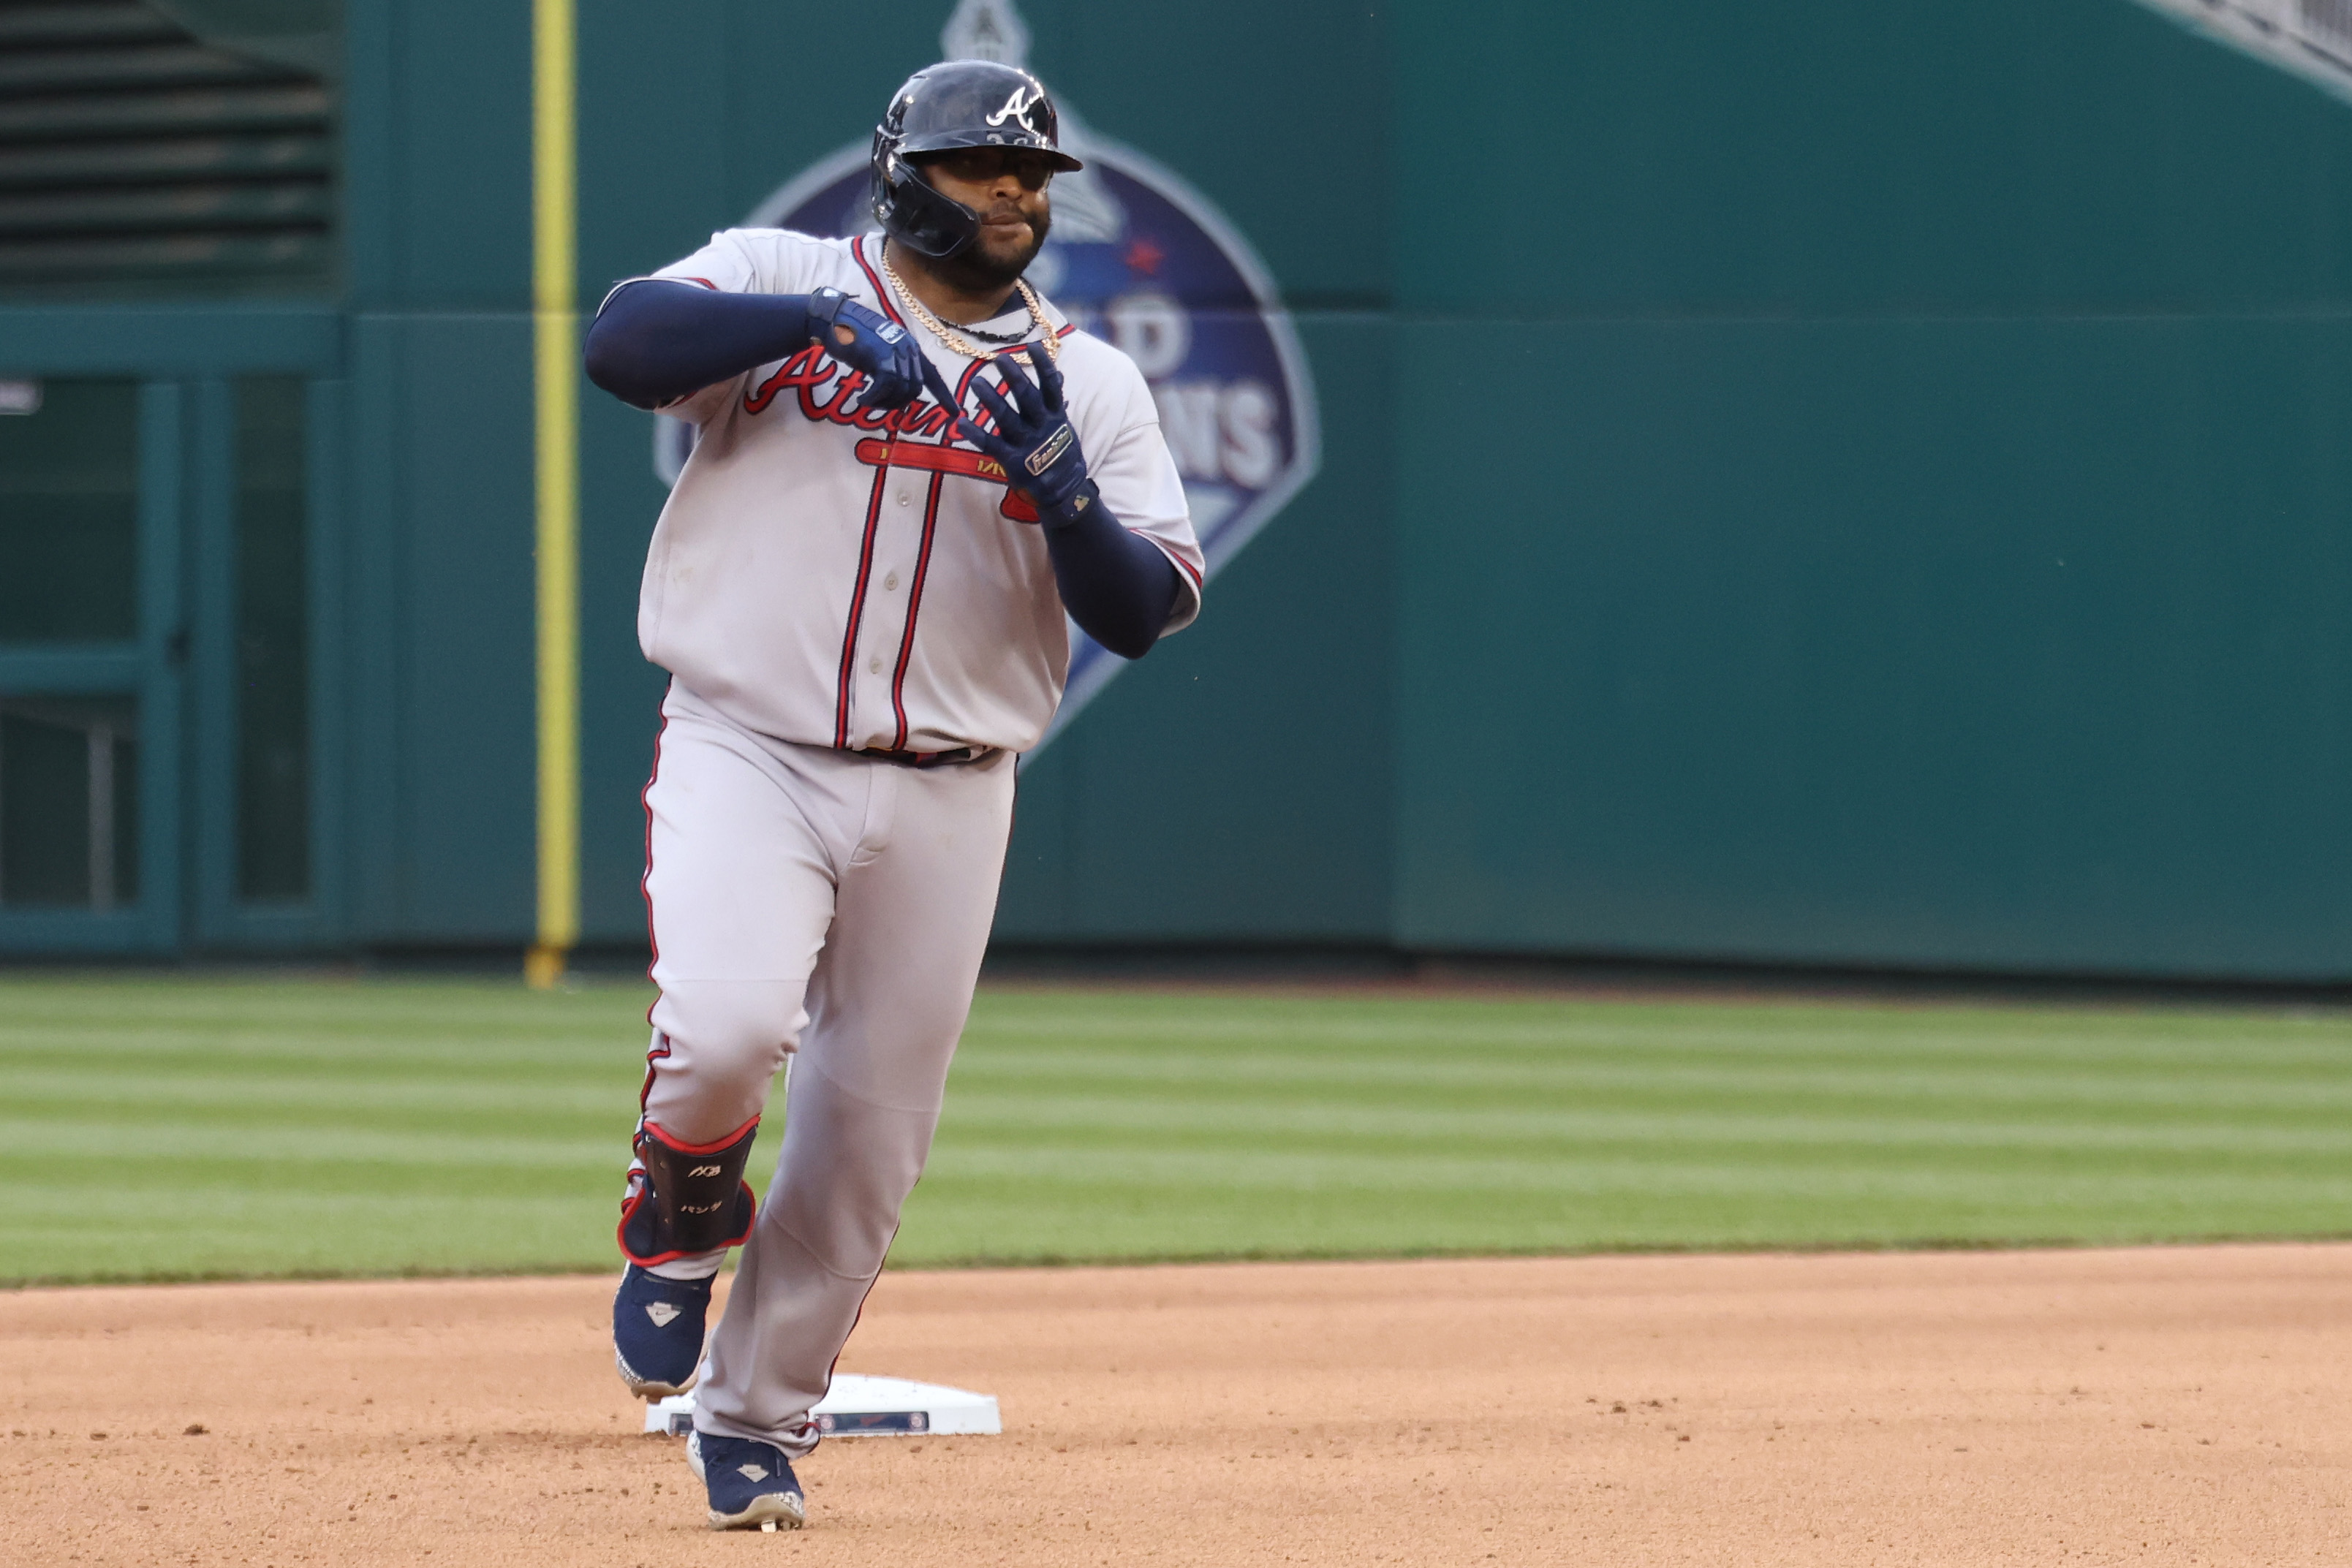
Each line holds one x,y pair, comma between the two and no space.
882,350
1034,438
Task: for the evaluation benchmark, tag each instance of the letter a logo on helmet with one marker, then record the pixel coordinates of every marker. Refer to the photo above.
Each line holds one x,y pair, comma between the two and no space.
1017,106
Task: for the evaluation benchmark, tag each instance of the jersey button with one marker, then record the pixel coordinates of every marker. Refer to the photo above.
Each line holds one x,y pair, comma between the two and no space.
874,666
904,500
890,581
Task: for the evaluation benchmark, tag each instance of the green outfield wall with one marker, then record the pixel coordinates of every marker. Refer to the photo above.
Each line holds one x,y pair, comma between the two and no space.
1926,533
1857,482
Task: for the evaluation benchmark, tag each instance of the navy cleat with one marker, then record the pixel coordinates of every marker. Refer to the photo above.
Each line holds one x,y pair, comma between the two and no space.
751,1484
657,1332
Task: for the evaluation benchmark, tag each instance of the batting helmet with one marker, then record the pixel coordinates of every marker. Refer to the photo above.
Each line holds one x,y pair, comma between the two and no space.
958,103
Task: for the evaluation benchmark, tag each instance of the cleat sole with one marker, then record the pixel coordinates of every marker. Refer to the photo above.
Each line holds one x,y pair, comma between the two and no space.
647,1388
774,1510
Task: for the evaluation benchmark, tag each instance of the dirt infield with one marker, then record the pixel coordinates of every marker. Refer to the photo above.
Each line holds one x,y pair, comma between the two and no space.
2128,1407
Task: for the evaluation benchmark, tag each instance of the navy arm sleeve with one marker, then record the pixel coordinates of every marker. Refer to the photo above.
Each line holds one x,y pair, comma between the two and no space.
656,341
1116,585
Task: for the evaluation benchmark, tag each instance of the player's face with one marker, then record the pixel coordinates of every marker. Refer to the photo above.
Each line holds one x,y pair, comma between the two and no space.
1006,187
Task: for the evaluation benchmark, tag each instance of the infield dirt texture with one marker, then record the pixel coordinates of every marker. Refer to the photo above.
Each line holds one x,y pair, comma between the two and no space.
2149,1404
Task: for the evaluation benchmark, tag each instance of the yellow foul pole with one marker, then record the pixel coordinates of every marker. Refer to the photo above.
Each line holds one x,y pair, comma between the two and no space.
554,225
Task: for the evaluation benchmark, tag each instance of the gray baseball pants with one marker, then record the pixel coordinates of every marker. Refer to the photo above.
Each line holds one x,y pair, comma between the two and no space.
812,904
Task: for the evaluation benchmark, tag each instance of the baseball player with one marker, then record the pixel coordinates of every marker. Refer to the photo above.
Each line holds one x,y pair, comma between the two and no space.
909,469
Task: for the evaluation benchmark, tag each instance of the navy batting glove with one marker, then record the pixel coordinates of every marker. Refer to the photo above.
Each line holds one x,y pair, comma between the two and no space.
881,349
1033,441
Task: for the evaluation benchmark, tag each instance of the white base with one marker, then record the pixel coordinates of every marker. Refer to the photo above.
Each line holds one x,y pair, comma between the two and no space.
859,1406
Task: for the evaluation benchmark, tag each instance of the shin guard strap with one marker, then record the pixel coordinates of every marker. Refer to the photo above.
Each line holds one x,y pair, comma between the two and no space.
686,1199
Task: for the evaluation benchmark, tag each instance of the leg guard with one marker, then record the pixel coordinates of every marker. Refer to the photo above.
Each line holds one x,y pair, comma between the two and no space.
685,1199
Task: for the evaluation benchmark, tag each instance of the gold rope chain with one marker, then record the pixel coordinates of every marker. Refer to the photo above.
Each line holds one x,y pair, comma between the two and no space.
956,341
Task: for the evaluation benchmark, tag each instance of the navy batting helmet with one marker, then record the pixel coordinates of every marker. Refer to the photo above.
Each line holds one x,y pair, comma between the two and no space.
958,103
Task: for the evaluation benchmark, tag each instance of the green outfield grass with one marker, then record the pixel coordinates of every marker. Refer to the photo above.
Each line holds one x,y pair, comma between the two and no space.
171,1128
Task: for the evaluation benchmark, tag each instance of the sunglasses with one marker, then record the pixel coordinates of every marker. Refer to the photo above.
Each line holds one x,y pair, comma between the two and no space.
980,165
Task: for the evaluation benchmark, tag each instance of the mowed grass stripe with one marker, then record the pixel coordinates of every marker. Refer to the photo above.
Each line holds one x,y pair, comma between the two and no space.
1226,1135
365,1096
307,1146
1774,1029
448,1049
179,1232
2058,1187
1451,1099
1447,1070
167,1127
266,1018
1531,1124
979,1115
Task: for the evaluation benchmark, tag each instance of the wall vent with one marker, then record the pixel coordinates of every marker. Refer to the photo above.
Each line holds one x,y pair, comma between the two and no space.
134,157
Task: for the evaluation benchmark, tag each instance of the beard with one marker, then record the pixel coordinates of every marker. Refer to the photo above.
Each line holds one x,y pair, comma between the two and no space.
976,270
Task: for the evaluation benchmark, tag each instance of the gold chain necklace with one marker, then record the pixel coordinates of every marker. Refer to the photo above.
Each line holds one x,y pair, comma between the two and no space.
956,341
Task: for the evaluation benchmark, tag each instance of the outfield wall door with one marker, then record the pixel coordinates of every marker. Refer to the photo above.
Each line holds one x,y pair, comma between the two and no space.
263,725
90,641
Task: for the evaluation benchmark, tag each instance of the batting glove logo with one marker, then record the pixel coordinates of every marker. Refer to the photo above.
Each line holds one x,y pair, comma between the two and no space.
1055,444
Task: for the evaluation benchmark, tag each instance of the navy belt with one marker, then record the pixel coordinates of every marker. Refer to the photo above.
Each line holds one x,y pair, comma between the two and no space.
926,759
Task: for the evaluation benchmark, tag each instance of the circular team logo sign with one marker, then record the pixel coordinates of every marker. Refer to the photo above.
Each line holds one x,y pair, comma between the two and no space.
1140,259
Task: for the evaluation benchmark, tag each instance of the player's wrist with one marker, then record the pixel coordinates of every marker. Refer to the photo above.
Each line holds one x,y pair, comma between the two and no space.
1080,503
875,347
821,308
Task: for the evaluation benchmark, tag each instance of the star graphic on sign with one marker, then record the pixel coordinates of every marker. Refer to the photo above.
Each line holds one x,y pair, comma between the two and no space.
1144,256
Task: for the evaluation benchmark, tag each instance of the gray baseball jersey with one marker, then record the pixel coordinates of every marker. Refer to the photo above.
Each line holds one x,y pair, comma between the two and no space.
837,577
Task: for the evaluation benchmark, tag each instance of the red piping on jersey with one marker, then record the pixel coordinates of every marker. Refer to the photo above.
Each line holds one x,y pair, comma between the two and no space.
963,390
857,249
856,1318
888,450
963,387
657,1051
982,420
660,1047
1059,332
1185,565
858,609
914,608
645,883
